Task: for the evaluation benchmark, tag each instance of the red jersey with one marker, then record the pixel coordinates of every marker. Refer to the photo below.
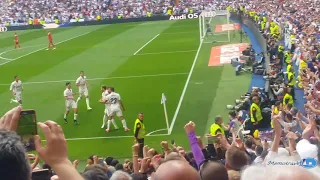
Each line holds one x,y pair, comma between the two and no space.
16,38
49,36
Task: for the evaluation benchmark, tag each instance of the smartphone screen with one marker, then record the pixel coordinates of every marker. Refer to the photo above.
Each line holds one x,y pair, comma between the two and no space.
27,128
41,175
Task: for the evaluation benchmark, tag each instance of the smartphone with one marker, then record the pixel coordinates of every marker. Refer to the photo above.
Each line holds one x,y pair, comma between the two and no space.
27,128
41,175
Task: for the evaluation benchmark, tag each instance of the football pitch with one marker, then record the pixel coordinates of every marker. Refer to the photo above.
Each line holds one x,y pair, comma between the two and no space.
141,61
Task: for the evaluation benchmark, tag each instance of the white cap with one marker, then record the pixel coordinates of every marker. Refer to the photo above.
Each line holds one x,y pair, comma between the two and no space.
307,150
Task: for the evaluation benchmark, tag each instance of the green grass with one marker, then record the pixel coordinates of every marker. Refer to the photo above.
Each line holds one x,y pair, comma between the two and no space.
106,55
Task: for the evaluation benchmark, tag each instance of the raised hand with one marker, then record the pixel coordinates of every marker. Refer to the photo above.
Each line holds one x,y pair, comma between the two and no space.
10,120
56,152
190,127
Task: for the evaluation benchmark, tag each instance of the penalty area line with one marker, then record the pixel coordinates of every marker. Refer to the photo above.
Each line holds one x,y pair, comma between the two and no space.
105,137
146,44
172,52
44,48
93,79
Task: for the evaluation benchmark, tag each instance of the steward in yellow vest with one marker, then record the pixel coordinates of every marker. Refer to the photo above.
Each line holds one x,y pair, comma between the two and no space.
255,111
287,57
139,133
217,127
288,99
291,82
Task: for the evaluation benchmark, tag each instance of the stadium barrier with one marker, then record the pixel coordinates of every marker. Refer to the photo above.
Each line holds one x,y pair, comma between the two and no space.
258,35
23,27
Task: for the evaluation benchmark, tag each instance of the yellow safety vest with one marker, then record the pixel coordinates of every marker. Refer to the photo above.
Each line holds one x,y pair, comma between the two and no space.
142,130
77,19
275,112
214,128
119,17
191,11
264,19
258,113
287,57
280,48
292,82
292,37
288,96
57,21
30,22
263,25
289,68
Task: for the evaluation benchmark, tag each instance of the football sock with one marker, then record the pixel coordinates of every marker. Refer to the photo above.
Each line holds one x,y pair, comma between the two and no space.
114,123
65,116
108,126
75,116
124,123
79,98
87,101
15,101
104,119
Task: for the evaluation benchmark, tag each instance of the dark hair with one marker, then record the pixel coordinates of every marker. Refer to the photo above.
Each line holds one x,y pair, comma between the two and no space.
15,76
81,71
104,87
139,176
111,88
277,103
114,162
119,167
232,114
91,157
13,162
67,83
248,143
259,150
108,160
95,174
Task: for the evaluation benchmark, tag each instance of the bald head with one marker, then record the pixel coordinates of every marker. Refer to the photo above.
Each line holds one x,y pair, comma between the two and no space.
175,170
277,173
213,171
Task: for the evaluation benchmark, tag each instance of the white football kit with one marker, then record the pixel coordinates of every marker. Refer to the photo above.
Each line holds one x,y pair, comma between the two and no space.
83,89
70,104
107,106
114,99
16,88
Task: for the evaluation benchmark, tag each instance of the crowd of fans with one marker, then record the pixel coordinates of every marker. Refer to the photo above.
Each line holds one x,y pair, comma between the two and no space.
20,11
280,143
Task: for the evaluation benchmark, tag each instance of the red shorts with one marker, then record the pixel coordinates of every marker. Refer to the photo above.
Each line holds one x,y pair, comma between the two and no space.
50,41
17,42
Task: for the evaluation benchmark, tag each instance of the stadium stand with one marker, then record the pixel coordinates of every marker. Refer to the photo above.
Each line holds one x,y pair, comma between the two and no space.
284,143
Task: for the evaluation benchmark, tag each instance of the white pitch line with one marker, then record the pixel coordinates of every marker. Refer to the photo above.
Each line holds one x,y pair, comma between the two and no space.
10,59
146,44
44,48
93,79
165,52
185,88
107,137
149,134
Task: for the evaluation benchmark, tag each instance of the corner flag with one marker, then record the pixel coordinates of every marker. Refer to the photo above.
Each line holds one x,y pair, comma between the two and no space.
163,99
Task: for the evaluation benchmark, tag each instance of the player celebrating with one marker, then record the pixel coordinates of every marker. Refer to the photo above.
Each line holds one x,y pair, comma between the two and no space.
50,41
107,108
115,102
16,41
16,89
83,89
70,104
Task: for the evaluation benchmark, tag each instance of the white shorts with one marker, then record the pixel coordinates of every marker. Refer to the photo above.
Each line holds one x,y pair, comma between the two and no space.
71,105
18,97
83,92
107,112
115,112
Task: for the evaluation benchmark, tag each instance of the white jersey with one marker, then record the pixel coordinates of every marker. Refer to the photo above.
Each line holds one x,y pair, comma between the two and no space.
16,87
104,98
69,94
114,99
83,83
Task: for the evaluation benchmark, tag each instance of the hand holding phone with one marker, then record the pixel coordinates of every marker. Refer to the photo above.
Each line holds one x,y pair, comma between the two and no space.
27,128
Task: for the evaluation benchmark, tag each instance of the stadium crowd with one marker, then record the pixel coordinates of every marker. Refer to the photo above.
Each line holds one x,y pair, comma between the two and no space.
291,141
